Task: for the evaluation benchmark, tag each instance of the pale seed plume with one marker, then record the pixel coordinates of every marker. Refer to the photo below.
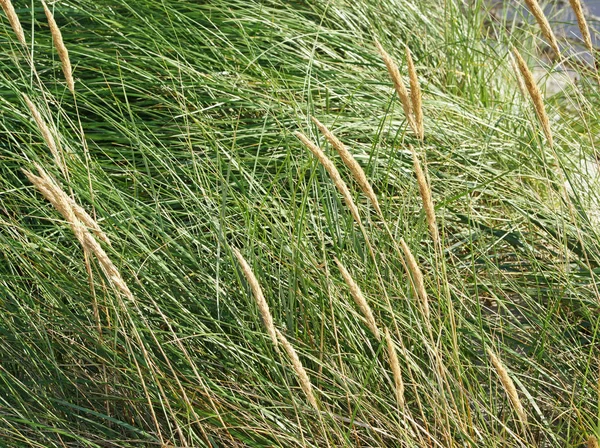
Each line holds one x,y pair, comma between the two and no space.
359,299
395,367
303,378
417,277
333,173
425,192
64,204
583,26
592,442
518,75
542,21
394,73
46,134
257,292
509,386
415,94
351,163
536,96
13,19
61,49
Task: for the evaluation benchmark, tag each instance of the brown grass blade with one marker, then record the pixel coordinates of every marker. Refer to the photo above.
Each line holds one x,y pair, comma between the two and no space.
509,386
417,277
542,21
333,173
415,94
359,299
351,163
398,85
303,378
61,49
13,19
534,93
257,292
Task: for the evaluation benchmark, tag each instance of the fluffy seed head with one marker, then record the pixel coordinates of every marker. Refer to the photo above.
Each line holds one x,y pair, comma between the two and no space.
394,73
509,386
417,277
61,49
592,442
351,163
539,15
13,19
415,94
359,299
395,367
583,26
303,378
333,173
536,96
46,134
425,192
263,307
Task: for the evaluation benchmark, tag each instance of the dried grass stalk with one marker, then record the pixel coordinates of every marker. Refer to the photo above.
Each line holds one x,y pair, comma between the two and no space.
351,163
333,173
61,49
539,15
61,201
46,134
398,85
509,386
583,26
426,197
395,366
359,299
13,19
520,82
417,276
415,94
303,378
592,442
534,93
263,307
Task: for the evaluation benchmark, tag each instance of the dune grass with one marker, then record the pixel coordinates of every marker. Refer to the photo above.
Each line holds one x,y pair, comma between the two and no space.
175,157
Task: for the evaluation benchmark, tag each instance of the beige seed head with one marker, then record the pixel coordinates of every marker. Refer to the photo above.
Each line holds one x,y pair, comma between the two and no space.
425,192
394,73
351,163
592,442
509,386
13,19
539,15
417,277
333,173
359,299
303,378
395,367
257,292
415,94
61,49
534,93
583,26
46,134
61,201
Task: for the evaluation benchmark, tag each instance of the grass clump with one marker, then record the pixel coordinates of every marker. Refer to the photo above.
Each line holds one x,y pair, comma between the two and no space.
130,317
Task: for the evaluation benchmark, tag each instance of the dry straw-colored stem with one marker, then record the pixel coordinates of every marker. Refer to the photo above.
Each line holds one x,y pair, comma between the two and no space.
417,277
415,94
395,366
333,173
13,19
303,378
583,26
509,386
535,94
359,299
61,49
351,163
73,214
425,191
257,292
542,21
394,73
